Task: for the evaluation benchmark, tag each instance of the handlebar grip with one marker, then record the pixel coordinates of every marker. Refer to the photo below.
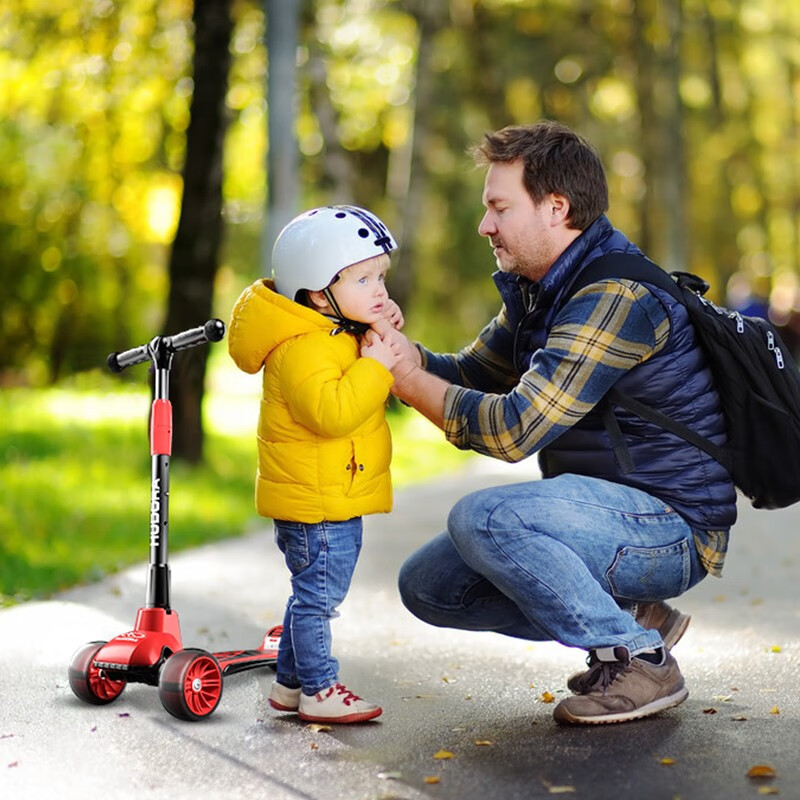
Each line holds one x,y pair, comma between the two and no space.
212,331
127,358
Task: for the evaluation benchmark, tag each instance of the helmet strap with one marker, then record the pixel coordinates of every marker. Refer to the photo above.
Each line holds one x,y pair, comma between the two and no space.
344,325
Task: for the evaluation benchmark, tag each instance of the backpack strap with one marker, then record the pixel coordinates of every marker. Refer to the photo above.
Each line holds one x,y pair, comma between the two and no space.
631,266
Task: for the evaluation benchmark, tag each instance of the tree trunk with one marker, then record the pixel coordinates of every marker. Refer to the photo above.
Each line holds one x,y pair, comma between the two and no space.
194,258
648,129
675,186
719,241
407,194
282,154
337,180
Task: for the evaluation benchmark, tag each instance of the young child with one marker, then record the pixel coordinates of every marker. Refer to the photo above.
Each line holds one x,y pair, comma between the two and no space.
323,442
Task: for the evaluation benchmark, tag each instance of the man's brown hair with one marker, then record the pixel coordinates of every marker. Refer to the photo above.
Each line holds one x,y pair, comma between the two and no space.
555,160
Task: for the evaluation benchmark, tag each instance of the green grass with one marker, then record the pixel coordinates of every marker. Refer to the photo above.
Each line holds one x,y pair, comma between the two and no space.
75,478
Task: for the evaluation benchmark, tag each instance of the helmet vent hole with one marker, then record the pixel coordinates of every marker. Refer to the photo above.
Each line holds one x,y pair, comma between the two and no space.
341,215
363,233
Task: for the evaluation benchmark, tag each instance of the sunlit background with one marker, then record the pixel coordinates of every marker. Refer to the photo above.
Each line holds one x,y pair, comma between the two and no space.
694,106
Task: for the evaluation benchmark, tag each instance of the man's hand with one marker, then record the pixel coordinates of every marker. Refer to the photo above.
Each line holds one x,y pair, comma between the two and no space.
412,385
398,341
382,350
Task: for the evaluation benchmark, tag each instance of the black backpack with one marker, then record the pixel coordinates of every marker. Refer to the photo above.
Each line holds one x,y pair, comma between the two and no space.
756,376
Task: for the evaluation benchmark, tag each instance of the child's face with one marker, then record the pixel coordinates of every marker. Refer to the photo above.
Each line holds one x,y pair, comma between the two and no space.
361,290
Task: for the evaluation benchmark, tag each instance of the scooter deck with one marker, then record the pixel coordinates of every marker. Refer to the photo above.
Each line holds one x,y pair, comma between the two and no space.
233,661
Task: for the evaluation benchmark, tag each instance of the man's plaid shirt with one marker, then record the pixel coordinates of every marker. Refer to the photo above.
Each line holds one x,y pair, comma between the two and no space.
604,331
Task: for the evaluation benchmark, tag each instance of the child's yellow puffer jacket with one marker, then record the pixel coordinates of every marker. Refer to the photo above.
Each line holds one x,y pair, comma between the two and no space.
323,443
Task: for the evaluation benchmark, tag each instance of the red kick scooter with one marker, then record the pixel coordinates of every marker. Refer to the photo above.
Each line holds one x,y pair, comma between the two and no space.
189,680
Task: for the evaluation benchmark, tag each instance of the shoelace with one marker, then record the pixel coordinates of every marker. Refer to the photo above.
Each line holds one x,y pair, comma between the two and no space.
347,696
603,673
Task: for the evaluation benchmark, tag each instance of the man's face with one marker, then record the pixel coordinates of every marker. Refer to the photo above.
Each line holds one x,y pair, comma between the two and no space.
522,234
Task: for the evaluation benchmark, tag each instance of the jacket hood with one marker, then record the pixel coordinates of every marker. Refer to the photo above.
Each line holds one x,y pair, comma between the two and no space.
262,320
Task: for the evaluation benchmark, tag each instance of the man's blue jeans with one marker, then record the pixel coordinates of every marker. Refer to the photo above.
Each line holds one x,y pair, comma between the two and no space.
557,559
321,558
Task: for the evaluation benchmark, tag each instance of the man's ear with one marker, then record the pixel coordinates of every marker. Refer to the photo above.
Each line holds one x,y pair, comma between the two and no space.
318,300
559,206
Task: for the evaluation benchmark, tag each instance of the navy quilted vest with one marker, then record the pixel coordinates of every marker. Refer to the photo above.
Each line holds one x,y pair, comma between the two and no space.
676,380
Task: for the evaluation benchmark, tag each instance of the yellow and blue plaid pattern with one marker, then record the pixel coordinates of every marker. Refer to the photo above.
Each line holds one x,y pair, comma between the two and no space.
604,331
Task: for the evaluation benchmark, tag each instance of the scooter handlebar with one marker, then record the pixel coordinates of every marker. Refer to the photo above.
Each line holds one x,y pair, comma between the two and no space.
212,331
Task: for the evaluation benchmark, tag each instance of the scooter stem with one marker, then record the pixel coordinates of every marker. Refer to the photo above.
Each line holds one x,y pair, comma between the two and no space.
158,576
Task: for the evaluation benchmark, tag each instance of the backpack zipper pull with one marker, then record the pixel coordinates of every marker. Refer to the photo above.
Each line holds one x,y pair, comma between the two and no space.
775,350
735,315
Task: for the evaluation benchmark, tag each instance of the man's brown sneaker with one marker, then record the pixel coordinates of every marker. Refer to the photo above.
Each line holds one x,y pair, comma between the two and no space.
665,619
659,616
624,689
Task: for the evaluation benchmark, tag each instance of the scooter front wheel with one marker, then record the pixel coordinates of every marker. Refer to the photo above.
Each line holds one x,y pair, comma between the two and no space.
90,683
190,684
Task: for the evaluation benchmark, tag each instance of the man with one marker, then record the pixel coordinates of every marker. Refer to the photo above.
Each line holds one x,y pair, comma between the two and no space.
587,555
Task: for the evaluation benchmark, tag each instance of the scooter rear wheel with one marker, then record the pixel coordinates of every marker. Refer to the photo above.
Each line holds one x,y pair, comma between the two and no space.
89,682
270,644
190,684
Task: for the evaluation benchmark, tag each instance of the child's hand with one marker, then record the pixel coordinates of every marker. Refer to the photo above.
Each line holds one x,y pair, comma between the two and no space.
385,352
394,315
398,341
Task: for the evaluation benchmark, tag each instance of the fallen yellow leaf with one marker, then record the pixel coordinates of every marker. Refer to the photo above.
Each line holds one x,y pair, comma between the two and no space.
775,710
483,743
776,648
668,762
767,790
546,697
761,771
441,754
553,789
431,779
317,727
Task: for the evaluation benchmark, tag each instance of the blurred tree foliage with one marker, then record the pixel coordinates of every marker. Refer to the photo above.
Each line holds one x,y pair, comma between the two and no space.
693,104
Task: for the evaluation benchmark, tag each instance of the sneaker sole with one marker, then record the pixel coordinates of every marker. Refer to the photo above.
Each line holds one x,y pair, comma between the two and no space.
563,715
361,716
677,627
280,707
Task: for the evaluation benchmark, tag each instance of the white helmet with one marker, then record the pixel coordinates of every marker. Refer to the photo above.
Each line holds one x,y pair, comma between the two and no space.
320,243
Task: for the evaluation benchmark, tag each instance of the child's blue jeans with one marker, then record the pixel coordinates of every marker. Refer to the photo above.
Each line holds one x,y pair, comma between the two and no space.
321,558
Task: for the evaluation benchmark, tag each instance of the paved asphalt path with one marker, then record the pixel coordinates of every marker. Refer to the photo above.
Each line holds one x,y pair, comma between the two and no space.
480,697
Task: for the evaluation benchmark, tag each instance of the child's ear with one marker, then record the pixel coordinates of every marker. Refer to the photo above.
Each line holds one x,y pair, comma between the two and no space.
318,300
